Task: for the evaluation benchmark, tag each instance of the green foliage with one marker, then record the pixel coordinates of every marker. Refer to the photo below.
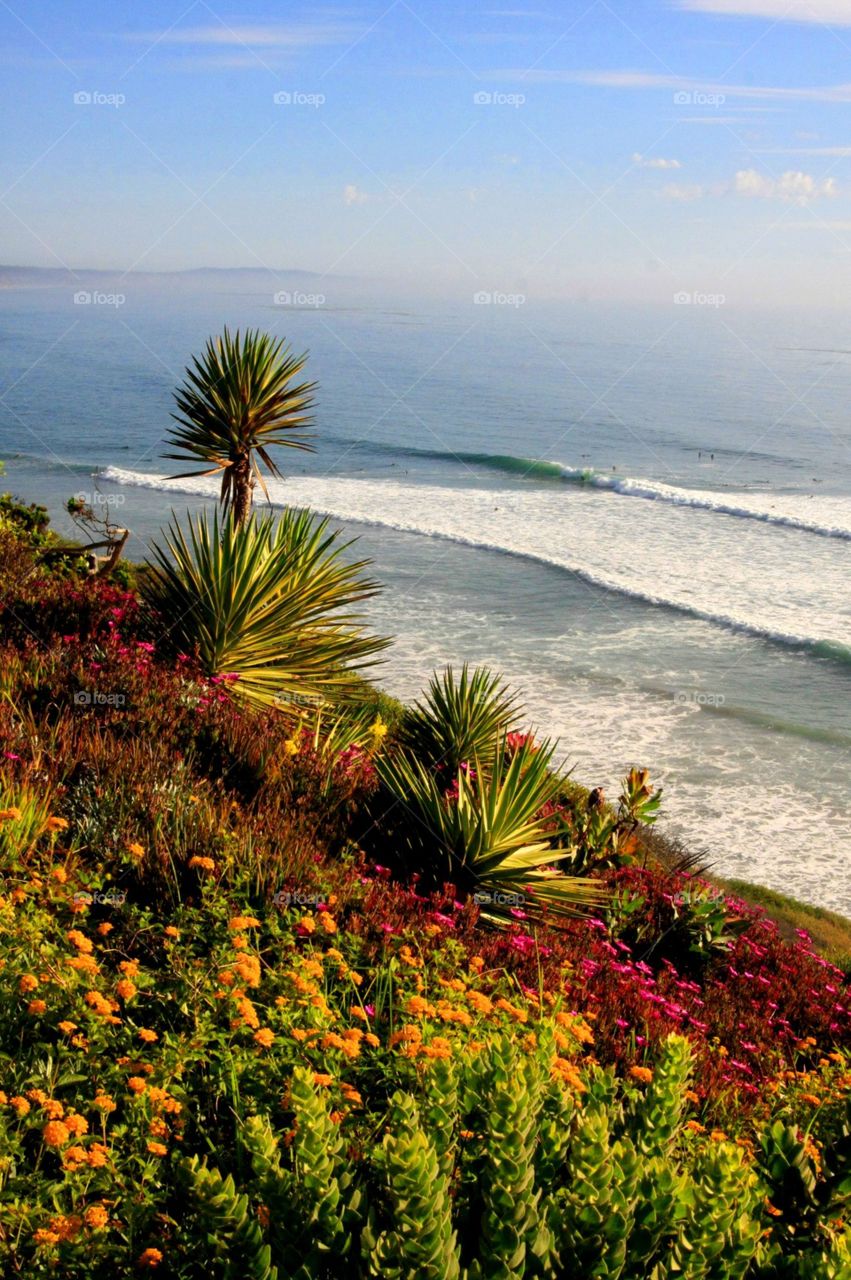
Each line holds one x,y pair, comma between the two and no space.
490,836
460,718
267,601
240,399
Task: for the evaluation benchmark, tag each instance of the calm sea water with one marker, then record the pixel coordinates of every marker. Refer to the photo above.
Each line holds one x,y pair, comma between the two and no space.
642,517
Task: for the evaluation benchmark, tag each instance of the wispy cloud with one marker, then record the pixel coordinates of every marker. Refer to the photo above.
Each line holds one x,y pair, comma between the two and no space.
683,88
654,162
257,36
792,187
804,151
830,12
352,194
684,194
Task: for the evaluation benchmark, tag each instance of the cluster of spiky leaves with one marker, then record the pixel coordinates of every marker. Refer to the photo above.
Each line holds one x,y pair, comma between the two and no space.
268,602
239,400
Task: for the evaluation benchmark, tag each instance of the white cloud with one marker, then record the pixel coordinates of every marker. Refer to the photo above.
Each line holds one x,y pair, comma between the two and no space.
835,12
706,94
654,162
352,194
793,187
684,194
269,36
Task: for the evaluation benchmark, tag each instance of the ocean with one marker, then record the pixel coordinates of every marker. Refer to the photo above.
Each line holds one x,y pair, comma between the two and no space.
640,515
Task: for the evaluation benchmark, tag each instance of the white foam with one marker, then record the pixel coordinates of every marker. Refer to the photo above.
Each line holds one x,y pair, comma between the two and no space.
794,511
779,584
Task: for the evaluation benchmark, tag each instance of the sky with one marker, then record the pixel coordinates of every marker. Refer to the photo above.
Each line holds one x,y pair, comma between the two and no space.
619,149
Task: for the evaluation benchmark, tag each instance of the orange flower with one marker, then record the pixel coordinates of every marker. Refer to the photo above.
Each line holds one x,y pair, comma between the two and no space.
150,1037
96,1217
67,1027
372,1040
322,1079
36,1006
158,1148
135,850
136,1084
150,1258
264,1037
97,1155
20,1104
56,824
104,928
104,1102
11,815
55,1133
76,1125
643,1074
126,989
80,941
243,922
171,932
28,982
327,922
44,1239
129,968
203,864
307,924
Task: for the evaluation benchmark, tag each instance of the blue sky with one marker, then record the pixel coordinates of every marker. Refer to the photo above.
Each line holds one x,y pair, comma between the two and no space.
604,150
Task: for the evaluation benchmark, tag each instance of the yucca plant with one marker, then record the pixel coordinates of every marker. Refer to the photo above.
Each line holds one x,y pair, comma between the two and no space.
488,832
267,603
240,399
459,717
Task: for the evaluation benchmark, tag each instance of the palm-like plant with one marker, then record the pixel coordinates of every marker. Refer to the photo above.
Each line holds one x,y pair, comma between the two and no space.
489,835
238,400
459,717
268,602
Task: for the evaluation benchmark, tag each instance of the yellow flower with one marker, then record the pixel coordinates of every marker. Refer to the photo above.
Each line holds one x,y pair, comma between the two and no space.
264,1037
150,1037
55,1133
291,747
643,1074
378,730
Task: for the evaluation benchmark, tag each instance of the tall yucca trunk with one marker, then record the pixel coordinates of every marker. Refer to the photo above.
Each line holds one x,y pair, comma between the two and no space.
243,491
